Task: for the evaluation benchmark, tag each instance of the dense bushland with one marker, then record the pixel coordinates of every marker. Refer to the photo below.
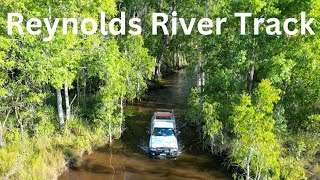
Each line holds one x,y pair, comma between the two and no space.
257,98
61,98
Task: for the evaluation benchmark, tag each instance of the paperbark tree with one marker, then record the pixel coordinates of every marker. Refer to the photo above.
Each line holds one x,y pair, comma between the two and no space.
66,95
59,107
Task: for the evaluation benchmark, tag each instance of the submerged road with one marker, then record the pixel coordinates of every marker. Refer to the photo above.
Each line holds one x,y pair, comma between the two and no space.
128,159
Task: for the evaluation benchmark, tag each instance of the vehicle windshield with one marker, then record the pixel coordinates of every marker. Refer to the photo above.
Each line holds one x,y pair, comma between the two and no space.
163,132
163,117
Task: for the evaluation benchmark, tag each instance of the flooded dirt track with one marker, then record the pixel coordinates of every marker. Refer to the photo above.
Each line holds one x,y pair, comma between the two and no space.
128,159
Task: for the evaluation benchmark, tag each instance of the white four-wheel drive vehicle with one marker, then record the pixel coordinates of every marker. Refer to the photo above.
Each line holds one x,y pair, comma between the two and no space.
163,140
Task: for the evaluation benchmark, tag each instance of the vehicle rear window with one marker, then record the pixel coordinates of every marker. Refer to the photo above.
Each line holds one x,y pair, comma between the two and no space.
163,132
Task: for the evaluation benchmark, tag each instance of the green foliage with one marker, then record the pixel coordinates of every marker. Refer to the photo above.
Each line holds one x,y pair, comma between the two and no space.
212,125
44,129
255,139
195,111
266,96
260,121
13,135
310,135
247,116
82,142
291,169
100,71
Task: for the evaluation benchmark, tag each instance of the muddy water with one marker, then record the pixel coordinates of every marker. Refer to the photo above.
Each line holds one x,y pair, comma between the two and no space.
127,158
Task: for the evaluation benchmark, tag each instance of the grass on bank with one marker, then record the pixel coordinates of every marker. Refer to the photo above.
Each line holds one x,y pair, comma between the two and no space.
46,151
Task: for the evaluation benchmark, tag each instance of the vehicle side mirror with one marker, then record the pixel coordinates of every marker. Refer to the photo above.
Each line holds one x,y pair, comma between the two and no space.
148,132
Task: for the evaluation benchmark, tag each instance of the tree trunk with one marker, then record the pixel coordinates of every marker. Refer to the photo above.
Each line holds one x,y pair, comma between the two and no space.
248,165
21,129
84,88
157,69
250,77
138,89
60,109
251,68
110,133
20,123
259,174
175,59
121,113
78,91
212,145
155,75
203,73
197,71
66,96
179,60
